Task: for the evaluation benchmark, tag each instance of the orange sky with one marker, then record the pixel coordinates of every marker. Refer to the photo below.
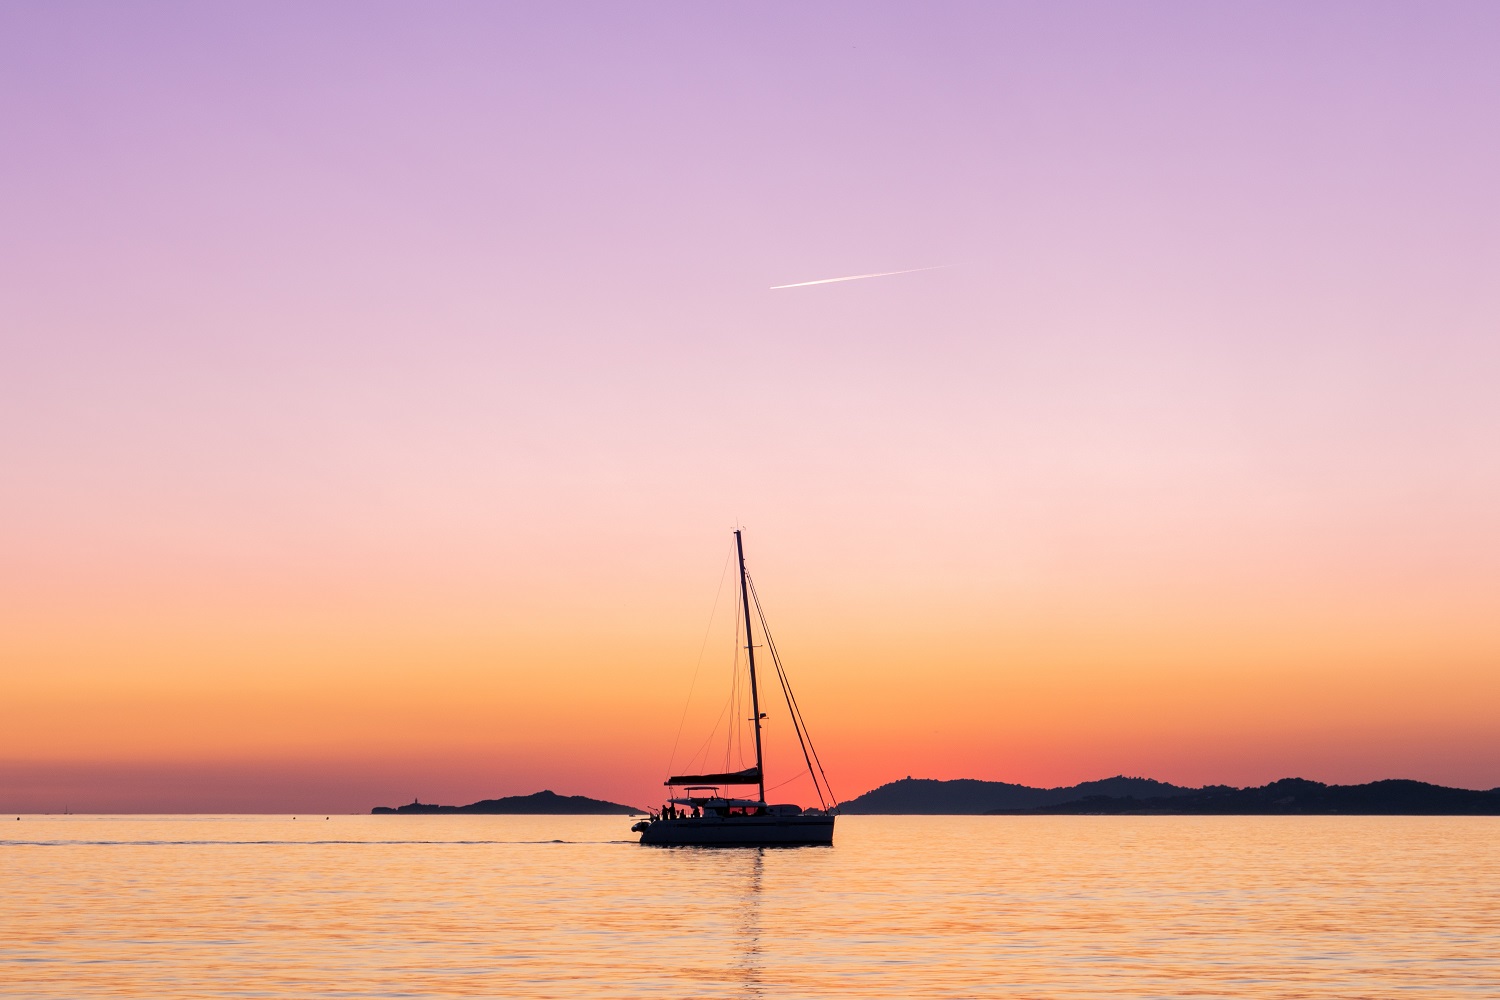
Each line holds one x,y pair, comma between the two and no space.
317,696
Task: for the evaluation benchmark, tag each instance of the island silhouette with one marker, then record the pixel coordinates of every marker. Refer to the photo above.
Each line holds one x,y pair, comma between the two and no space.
972,797
1108,796
543,803
1297,797
1144,796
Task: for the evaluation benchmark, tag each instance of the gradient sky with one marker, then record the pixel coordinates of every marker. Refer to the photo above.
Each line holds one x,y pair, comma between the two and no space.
380,384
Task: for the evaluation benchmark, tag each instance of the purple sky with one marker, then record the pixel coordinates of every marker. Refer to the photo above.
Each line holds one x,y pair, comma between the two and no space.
344,311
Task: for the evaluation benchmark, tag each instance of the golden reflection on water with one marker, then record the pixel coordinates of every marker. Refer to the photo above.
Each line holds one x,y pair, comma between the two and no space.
474,906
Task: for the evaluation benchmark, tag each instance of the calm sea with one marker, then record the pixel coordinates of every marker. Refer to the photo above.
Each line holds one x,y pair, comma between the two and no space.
472,906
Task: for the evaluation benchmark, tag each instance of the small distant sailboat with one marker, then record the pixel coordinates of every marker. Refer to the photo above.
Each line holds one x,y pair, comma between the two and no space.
703,816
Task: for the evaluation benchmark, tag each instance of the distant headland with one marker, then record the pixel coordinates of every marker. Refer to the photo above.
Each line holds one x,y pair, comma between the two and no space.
1144,796
971,797
1118,796
543,803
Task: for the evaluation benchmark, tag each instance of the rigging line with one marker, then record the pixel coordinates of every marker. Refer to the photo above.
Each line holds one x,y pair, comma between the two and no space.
781,677
703,749
699,665
797,713
804,738
729,701
811,746
797,723
795,709
804,741
733,736
734,694
788,781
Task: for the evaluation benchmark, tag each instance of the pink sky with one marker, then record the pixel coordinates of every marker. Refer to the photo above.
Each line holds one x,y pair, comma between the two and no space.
380,383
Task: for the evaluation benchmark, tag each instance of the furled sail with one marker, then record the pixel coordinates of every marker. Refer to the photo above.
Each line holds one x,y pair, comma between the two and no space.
749,776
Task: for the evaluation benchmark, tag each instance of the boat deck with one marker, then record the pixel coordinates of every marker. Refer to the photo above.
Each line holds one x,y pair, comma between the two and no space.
740,831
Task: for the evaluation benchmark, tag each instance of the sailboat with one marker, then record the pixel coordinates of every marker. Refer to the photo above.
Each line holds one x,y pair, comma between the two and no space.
700,813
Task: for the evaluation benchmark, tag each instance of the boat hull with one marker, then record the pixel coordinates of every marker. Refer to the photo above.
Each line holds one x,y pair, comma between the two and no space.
740,831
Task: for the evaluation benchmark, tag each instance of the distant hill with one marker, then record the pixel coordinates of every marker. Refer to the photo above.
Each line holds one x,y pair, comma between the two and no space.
1295,797
970,797
543,803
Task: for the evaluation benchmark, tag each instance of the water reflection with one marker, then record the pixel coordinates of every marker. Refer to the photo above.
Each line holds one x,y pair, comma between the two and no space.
1067,908
751,965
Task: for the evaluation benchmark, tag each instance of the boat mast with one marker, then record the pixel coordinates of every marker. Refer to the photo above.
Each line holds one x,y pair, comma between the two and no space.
760,772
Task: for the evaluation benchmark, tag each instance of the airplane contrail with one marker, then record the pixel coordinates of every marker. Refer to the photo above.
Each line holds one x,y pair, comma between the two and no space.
857,277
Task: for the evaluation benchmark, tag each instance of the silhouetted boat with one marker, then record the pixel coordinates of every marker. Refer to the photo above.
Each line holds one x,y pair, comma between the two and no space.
703,816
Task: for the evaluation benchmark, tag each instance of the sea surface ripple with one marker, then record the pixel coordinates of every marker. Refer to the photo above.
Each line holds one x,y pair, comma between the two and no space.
1053,908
